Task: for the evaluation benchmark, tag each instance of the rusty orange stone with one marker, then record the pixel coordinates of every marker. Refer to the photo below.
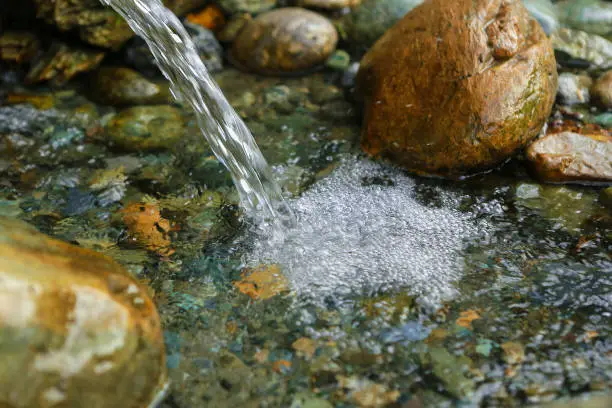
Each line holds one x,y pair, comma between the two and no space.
263,282
146,225
457,87
211,17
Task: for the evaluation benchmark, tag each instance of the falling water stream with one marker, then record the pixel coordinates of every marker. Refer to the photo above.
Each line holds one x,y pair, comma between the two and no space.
230,139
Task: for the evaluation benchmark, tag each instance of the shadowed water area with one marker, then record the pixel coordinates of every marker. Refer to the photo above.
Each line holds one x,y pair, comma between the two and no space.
380,289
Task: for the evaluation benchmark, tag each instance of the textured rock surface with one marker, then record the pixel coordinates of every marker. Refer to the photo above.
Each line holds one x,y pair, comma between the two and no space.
123,86
246,6
287,40
572,157
73,326
593,48
62,62
96,24
601,91
453,89
18,46
146,128
328,4
573,89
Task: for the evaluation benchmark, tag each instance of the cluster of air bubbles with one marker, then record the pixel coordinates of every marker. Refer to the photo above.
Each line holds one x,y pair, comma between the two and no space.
363,230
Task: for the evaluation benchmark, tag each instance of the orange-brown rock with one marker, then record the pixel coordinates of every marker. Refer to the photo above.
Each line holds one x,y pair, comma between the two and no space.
75,329
572,157
284,41
456,87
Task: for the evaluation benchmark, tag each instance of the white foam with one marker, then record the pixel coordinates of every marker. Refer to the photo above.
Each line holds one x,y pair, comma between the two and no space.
353,237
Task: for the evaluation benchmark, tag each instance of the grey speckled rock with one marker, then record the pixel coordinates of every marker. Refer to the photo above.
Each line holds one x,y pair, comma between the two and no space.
593,48
573,89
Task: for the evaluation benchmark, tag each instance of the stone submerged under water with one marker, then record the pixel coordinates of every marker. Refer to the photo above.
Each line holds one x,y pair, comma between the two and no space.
453,89
75,328
572,157
284,41
143,128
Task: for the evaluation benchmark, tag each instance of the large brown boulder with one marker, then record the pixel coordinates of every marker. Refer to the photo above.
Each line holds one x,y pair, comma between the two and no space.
76,330
456,87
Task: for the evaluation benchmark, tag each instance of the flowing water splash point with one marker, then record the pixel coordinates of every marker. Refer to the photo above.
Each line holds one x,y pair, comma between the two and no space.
363,229
228,136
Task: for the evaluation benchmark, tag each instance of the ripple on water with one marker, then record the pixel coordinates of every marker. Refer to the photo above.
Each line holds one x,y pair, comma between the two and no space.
362,229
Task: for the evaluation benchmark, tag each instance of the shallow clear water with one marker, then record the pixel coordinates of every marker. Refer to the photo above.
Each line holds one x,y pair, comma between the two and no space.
228,136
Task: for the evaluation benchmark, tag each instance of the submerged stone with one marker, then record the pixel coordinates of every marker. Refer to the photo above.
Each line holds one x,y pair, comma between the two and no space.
572,157
605,197
207,46
284,41
123,86
146,128
452,89
602,90
62,62
73,325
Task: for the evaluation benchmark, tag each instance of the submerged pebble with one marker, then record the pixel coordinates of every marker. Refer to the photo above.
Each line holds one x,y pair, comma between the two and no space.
146,128
122,86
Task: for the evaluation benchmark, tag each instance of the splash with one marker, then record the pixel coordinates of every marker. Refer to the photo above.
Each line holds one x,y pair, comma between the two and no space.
362,229
228,136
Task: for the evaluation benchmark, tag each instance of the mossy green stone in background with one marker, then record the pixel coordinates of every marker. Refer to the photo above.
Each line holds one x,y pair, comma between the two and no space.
368,22
146,128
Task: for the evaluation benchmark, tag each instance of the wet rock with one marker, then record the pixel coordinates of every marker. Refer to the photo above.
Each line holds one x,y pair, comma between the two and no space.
604,119
339,60
545,12
246,6
138,55
123,86
73,325
18,46
146,128
578,44
284,41
592,16
211,18
62,62
601,91
96,24
449,370
572,157
232,28
443,95
606,197
367,23
328,4
207,46
573,89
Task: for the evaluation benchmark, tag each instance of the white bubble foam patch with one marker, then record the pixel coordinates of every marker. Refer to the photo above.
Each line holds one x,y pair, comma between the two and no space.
353,237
